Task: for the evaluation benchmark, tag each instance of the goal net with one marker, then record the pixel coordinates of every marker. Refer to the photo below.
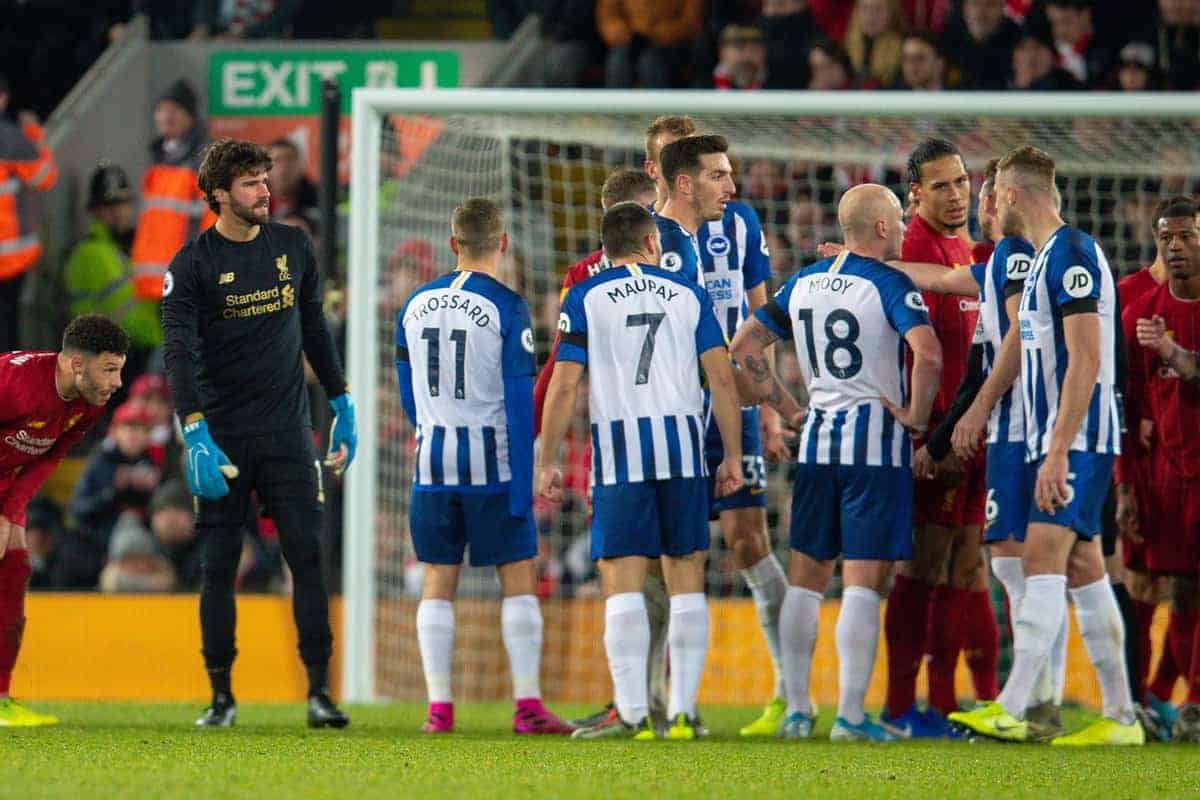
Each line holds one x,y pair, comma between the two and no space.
543,156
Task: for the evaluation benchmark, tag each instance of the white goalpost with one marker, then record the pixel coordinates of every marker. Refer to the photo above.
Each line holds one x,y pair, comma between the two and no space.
415,154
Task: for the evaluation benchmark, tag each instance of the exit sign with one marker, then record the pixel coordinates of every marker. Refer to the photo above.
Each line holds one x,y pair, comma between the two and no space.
288,82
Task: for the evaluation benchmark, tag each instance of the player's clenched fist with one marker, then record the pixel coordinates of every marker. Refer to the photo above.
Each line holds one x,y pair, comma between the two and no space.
343,437
1152,334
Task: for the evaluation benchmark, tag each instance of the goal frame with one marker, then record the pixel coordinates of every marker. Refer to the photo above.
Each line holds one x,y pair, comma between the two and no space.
369,105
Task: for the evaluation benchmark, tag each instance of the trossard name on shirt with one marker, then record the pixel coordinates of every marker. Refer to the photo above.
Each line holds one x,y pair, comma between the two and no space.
448,300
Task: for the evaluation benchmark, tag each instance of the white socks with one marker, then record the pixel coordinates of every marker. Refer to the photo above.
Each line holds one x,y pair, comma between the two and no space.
435,635
798,619
1011,574
1057,668
627,643
688,639
1038,621
521,629
768,584
1103,633
857,640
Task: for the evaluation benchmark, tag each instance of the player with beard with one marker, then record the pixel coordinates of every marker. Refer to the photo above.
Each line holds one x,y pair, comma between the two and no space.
241,311
942,592
49,402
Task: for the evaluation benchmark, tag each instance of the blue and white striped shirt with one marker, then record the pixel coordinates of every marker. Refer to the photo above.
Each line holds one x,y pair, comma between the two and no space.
848,316
463,335
1070,275
735,259
640,330
1004,273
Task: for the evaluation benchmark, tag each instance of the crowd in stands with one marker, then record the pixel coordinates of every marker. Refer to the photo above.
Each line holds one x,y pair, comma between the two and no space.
1048,45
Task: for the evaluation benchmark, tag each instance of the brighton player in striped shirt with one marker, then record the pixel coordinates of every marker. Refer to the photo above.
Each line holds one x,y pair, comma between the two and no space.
465,367
1069,335
851,317
735,267
990,398
639,331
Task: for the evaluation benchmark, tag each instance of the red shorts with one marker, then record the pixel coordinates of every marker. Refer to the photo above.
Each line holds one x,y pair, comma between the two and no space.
951,500
1170,525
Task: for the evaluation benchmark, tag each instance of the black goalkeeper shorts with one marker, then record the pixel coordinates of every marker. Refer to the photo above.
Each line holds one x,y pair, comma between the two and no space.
281,468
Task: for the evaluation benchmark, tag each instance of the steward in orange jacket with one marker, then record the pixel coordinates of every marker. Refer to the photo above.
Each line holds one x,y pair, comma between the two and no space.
25,165
173,208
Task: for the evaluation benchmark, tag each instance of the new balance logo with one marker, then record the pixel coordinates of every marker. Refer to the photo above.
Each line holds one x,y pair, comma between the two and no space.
224,278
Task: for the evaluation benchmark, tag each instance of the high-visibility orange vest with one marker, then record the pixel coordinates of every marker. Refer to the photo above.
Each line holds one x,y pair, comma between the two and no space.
25,163
173,211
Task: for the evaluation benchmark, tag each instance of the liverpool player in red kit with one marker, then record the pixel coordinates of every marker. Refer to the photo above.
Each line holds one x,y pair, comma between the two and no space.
923,616
48,402
1163,379
622,185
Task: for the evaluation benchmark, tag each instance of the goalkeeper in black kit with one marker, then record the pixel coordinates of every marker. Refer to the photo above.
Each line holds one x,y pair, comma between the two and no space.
241,309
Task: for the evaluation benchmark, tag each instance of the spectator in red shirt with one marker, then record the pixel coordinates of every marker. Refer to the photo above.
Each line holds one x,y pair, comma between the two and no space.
48,402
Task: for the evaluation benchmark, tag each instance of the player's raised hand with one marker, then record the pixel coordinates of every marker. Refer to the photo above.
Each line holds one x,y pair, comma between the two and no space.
1053,489
729,476
207,464
1152,334
550,484
968,433
343,435
830,249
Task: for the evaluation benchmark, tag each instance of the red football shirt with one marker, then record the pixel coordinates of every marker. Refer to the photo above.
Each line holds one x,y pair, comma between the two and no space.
953,316
1172,404
982,251
1131,289
37,427
579,272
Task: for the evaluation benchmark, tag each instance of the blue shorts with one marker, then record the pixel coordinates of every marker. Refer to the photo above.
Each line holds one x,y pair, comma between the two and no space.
753,493
860,513
1089,476
1007,510
651,518
443,523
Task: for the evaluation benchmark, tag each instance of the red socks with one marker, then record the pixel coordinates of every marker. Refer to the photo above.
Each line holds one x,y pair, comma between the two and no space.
14,576
980,637
1167,671
945,640
1139,672
905,624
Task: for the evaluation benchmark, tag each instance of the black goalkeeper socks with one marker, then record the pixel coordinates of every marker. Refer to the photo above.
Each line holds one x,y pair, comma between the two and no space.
318,678
219,679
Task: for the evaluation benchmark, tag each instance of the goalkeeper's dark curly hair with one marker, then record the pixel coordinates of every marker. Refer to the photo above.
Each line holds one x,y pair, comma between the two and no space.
93,334
227,159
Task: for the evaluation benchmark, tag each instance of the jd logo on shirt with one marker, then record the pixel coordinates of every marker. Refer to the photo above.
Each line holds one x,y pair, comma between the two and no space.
718,246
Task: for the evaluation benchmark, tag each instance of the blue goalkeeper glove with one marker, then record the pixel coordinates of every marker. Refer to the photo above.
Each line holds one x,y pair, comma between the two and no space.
343,437
207,465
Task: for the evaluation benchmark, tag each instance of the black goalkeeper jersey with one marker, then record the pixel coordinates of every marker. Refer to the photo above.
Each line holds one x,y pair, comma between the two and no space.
238,317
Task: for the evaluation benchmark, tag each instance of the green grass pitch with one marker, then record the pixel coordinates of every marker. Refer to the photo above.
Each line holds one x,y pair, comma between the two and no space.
147,751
